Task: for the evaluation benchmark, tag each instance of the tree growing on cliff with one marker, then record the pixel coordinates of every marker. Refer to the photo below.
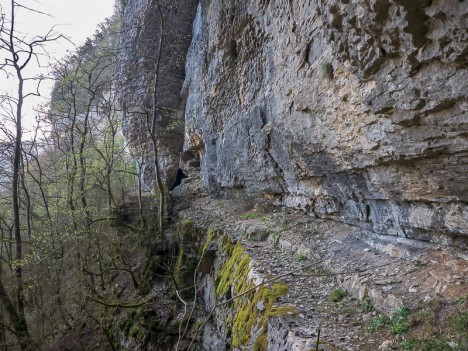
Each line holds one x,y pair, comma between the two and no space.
151,72
151,122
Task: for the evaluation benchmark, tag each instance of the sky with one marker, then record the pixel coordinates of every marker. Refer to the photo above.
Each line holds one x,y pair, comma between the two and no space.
76,19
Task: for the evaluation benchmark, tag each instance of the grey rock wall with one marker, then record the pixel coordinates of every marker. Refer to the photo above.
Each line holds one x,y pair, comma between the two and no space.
353,110
142,24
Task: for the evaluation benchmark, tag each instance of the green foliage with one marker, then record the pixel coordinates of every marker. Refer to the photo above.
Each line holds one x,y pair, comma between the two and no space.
459,323
366,305
301,257
459,326
377,323
250,215
409,344
460,300
399,326
397,323
435,343
72,180
455,330
337,295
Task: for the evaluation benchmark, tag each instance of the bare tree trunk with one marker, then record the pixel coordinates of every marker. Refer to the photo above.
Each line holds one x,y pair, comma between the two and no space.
29,221
18,316
18,321
159,183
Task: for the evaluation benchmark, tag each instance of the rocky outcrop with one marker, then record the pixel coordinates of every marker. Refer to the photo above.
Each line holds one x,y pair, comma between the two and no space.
155,35
351,110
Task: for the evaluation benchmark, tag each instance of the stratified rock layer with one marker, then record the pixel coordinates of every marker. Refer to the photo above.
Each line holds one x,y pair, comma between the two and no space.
155,36
353,110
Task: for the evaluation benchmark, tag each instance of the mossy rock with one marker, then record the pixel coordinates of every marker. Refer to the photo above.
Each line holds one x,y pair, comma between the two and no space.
249,320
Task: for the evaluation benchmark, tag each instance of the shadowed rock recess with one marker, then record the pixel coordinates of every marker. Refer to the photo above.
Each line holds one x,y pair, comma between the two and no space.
154,33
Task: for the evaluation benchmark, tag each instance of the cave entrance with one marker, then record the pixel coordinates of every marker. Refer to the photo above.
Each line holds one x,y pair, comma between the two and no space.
180,175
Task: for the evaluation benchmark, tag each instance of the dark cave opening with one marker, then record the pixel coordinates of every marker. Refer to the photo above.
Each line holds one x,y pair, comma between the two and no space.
178,180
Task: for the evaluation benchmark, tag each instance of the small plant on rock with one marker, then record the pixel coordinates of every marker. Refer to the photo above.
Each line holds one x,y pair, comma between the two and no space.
337,295
377,323
459,300
301,257
409,344
366,305
250,215
459,326
397,323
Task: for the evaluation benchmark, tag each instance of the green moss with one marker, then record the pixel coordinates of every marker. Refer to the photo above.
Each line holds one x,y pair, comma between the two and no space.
249,318
134,331
151,266
227,245
178,265
252,309
281,311
261,343
187,230
241,282
210,237
235,270
191,251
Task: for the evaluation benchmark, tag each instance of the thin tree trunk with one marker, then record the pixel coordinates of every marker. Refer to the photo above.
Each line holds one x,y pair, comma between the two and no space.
18,315
15,198
159,183
28,202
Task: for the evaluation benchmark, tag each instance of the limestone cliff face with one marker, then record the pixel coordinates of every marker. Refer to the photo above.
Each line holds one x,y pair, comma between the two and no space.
155,36
353,110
